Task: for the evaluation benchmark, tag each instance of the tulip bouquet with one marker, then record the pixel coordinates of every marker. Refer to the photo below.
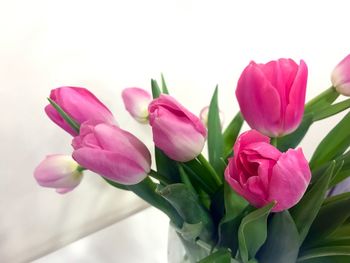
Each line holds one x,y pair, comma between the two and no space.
256,198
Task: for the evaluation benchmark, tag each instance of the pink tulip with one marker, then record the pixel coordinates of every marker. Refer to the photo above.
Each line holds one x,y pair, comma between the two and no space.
262,174
341,76
80,104
176,131
112,152
204,115
136,102
272,96
58,171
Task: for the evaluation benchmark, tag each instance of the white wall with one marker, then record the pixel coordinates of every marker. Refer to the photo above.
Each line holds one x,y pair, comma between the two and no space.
108,45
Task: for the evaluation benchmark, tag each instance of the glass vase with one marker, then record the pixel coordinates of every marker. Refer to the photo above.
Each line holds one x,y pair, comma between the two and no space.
183,251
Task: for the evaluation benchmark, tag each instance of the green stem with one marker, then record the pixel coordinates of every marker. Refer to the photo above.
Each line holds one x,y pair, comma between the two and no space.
329,95
186,180
207,165
274,141
80,169
147,191
161,178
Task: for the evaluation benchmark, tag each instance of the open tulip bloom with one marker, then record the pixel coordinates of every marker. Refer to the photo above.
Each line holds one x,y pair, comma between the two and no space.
256,198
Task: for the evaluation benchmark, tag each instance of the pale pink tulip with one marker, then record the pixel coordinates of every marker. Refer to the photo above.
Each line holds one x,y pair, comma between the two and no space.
204,115
177,132
80,104
341,76
271,96
136,102
58,171
112,152
262,174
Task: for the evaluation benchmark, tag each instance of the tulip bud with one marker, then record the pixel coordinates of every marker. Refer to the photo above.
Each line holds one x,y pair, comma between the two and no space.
58,171
80,104
261,173
176,131
204,114
271,96
136,102
341,77
112,152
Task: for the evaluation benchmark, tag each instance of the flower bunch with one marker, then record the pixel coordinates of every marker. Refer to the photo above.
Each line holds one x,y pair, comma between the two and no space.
256,198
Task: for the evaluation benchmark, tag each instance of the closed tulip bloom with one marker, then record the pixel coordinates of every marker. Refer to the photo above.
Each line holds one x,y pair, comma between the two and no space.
112,152
136,102
204,115
58,171
176,131
271,96
80,104
262,174
341,76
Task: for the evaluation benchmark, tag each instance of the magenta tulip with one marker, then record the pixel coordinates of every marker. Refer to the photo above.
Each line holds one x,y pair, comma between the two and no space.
136,102
271,96
262,174
80,104
176,131
112,152
58,171
341,76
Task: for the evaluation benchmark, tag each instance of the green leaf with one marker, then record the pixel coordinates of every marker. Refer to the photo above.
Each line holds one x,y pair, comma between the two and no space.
331,259
147,191
190,231
189,208
220,256
202,175
166,166
307,209
334,144
322,227
331,110
320,252
197,180
164,86
155,89
72,123
252,232
231,133
115,184
292,140
282,244
323,100
229,224
215,139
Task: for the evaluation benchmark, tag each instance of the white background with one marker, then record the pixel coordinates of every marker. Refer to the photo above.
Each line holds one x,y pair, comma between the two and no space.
108,45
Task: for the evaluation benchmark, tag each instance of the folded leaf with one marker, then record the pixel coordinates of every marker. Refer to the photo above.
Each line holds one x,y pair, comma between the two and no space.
215,139
220,256
229,224
147,191
334,144
164,86
318,253
252,232
189,208
231,133
307,209
322,227
282,244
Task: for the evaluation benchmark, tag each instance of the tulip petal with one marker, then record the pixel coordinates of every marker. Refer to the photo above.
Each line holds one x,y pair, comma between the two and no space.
259,101
290,178
295,108
114,166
